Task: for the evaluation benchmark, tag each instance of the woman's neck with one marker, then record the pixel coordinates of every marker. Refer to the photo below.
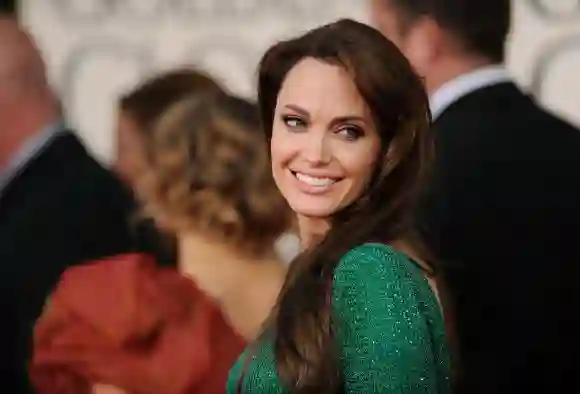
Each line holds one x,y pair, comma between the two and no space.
312,230
244,286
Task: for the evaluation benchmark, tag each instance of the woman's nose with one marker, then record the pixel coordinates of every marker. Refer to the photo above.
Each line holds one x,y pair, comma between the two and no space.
317,149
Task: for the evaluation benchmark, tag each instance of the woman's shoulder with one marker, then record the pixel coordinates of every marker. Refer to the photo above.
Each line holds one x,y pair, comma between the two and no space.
374,270
102,280
127,305
374,261
123,275
123,265
118,273
123,295
388,322
130,295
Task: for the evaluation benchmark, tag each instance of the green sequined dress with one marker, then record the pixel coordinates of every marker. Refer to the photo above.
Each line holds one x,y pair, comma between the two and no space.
392,334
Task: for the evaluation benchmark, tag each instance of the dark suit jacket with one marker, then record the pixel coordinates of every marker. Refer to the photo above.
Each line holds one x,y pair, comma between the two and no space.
503,216
62,209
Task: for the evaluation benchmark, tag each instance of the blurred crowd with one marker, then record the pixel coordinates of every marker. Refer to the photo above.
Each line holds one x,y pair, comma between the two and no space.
436,204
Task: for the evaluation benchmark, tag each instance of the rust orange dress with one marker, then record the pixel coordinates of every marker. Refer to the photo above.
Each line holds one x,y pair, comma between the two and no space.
125,322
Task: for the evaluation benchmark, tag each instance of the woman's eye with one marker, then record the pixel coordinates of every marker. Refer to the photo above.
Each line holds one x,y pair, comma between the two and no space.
293,122
350,132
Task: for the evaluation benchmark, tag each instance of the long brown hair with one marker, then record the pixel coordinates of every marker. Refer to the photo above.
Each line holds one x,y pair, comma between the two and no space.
307,357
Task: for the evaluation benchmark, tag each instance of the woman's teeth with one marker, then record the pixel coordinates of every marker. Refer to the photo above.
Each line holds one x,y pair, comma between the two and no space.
314,181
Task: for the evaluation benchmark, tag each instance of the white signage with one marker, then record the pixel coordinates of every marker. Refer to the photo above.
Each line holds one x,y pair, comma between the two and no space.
96,49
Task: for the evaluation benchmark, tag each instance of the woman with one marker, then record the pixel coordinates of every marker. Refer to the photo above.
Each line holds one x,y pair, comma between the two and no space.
125,325
348,123
138,112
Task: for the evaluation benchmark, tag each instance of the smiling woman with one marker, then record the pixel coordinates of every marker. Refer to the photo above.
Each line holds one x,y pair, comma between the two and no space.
323,150
348,124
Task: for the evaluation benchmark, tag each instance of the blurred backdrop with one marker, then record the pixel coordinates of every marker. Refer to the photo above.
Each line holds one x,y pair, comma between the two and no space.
97,48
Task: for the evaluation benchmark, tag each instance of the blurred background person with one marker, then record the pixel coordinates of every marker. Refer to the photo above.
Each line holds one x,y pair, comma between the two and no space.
58,206
503,209
138,110
8,7
124,324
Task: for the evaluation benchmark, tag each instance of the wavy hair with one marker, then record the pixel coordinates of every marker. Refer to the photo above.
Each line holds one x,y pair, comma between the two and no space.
307,357
148,101
210,172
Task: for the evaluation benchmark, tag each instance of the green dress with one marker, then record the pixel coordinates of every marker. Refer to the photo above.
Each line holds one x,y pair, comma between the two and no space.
392,334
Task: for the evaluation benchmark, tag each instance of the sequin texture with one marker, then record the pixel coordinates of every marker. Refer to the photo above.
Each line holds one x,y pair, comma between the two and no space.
390,330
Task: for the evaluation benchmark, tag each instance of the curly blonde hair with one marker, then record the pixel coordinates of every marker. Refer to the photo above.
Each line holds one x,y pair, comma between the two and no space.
210,172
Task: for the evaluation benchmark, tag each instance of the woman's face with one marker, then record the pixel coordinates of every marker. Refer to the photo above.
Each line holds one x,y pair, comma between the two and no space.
130,160
324,142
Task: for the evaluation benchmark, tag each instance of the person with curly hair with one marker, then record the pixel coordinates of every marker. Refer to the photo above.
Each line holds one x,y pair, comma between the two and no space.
126,325
138,110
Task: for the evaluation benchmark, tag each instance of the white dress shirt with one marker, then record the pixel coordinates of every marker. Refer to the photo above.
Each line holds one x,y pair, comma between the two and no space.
29,151
453,90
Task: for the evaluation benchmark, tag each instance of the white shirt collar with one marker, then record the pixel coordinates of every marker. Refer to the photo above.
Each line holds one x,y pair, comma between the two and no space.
31,148
462,85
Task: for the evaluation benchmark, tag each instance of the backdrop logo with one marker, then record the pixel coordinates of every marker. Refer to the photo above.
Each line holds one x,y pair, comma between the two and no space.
206,27
560,51
99,48
553,9
551,55
233,56
87,11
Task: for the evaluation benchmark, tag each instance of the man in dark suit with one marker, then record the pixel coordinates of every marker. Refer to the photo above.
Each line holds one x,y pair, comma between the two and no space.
58,206
502,211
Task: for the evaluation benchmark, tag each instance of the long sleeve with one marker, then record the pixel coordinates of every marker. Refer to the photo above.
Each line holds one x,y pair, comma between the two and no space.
389,324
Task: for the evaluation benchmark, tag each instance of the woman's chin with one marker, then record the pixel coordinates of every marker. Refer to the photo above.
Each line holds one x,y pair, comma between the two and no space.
321,211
